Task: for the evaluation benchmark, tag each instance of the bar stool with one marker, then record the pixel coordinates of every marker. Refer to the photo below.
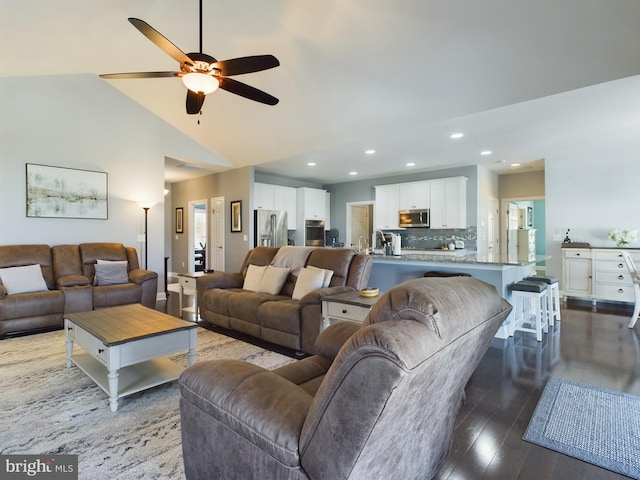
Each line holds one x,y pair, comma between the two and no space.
530,297
553,296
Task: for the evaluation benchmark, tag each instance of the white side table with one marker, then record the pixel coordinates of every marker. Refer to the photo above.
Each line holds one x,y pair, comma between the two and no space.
346,306
187,282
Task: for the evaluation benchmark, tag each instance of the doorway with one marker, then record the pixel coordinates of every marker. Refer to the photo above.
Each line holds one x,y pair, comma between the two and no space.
217,249
523,214
197,254
359,225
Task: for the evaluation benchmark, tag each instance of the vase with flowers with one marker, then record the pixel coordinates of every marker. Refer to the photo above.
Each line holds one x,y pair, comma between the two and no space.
623,236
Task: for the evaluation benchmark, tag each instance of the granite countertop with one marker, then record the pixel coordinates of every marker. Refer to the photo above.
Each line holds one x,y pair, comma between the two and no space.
471,258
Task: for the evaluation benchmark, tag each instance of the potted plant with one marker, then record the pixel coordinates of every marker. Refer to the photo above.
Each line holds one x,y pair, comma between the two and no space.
623,236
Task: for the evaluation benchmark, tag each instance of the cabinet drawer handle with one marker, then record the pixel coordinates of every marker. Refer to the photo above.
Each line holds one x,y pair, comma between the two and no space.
620,290
620,265
620,277
577,254
100,350
344,310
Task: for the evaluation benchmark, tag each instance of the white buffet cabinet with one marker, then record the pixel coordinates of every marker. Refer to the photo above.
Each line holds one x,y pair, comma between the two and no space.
599,274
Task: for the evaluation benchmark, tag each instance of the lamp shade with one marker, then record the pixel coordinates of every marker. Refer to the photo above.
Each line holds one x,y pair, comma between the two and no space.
146,203
200,82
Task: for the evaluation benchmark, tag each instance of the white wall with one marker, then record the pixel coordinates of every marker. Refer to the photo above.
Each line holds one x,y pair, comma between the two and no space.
591,191
80,121
487,191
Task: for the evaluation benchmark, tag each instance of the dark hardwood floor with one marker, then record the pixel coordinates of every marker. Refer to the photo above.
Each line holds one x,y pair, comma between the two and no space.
590,347
594,348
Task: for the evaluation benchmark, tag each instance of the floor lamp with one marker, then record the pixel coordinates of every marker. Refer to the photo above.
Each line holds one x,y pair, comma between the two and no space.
146,206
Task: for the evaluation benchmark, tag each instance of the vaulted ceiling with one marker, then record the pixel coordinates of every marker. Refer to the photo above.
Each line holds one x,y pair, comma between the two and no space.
520,78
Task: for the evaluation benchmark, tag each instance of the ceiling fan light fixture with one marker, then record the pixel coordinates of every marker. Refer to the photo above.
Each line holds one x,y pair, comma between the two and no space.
200,82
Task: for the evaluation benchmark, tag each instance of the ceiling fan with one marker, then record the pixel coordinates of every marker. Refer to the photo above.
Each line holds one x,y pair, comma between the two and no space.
201,73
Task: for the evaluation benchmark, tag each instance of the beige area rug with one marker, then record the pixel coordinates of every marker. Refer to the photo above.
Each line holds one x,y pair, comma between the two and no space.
46,408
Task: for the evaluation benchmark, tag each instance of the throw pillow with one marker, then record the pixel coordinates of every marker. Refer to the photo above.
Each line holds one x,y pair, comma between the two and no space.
273,280
328,274
25,279
253,277
111,273
308,279
121,262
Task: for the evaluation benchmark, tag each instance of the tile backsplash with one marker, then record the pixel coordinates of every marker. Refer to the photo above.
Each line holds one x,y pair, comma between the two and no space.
426,238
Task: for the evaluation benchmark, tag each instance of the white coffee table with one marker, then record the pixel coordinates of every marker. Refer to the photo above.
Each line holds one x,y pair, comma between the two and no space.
125,347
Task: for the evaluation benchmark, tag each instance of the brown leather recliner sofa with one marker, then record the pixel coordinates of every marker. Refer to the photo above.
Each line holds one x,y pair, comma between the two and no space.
378,400
279,318
69,273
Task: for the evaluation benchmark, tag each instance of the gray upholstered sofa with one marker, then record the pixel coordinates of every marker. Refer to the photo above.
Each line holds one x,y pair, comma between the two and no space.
379,400
279,316
69,283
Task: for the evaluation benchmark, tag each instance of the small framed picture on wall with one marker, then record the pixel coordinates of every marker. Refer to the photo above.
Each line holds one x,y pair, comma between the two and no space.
179,220
236,216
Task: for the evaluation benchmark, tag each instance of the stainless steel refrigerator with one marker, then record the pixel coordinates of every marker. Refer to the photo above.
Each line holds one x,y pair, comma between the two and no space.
270,228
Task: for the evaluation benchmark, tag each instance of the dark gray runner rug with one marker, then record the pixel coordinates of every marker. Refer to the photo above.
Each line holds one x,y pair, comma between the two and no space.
592,424
46,408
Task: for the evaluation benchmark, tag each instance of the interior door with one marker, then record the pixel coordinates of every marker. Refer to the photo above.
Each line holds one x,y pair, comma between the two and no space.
217,235
359,224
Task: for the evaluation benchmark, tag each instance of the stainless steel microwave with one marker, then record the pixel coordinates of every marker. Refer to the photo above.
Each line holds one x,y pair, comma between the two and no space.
414,218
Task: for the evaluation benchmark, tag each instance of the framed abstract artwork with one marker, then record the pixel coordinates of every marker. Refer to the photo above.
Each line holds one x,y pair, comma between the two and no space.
57,192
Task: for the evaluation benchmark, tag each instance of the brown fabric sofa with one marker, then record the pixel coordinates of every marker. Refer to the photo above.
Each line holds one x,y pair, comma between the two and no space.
379,400
69,274
279,319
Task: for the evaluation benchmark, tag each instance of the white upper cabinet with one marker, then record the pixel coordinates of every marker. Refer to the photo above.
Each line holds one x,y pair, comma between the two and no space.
313,202
263,196
448,202
387,205
276,197
414,195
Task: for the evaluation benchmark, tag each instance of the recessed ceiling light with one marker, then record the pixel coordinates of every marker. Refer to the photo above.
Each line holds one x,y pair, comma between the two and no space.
353,173
371,151
486,152
411,164
457,135
311,164
514,165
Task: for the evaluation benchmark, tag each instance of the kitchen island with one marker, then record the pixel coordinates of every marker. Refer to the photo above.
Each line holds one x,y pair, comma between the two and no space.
389,271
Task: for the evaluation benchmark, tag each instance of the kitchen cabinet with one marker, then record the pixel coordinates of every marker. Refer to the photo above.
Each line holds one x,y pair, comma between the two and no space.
597,273
263,196
576,272
612,281
327,202
312,203
276,197
448,202
414,195
387,205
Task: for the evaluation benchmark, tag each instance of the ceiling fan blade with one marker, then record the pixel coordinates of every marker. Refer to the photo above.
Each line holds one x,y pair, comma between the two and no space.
247,91
194,102
140,75
238,66
161,41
